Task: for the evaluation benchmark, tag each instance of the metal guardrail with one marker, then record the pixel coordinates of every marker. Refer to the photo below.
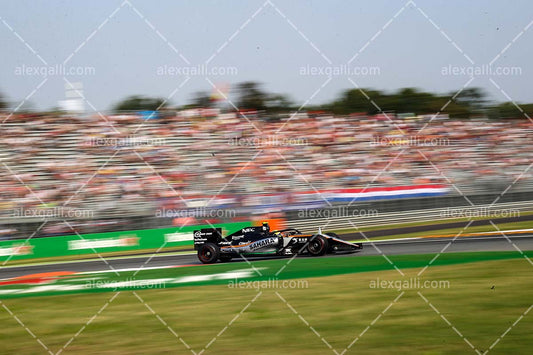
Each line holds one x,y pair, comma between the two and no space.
441,214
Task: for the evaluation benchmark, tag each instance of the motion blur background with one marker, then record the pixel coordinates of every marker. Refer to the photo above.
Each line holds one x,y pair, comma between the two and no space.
136,118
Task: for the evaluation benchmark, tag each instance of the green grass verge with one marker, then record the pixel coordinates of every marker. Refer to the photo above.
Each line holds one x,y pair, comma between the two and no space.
483,301
226,273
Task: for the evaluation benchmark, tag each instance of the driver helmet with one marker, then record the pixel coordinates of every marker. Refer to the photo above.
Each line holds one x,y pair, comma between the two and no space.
266,227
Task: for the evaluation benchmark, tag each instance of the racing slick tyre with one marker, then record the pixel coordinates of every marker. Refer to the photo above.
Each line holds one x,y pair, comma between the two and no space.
225,258
318,245
331,234
208,253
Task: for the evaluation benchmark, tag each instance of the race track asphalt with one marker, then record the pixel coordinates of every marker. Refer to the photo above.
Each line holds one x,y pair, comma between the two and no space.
408,246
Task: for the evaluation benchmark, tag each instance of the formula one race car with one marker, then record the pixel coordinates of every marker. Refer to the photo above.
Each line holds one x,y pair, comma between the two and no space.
260,241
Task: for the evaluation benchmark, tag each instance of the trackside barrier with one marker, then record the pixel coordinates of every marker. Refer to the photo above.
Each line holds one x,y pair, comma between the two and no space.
135,240
425,215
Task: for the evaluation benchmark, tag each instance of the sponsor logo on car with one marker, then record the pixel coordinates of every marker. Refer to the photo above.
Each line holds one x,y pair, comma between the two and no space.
295,241
263,243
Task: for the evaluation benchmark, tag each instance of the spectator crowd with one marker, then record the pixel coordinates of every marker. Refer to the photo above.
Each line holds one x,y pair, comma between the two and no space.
122,164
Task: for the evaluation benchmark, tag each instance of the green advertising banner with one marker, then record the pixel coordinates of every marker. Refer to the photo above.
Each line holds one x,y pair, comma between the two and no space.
136,240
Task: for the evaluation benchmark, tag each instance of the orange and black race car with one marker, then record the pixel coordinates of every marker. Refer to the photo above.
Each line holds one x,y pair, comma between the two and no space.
260,241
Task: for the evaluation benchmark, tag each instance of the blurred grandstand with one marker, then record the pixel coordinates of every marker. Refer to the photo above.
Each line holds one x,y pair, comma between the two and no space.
121,166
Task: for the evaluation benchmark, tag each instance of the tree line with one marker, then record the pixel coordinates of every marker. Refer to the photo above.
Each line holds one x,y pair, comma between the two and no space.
250,95
470,102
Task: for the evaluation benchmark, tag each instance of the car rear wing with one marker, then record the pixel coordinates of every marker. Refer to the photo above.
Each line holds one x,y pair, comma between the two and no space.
207,235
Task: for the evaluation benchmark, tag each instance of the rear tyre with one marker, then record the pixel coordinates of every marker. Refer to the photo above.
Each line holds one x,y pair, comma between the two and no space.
208,253
318,245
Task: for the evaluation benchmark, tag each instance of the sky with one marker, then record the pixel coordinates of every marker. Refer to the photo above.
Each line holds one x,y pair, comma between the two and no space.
115,49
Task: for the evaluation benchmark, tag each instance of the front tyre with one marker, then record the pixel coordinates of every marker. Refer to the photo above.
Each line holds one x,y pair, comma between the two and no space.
208,253
318,245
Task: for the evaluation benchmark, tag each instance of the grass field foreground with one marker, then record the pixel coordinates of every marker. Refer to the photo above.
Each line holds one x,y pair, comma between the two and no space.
482,301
